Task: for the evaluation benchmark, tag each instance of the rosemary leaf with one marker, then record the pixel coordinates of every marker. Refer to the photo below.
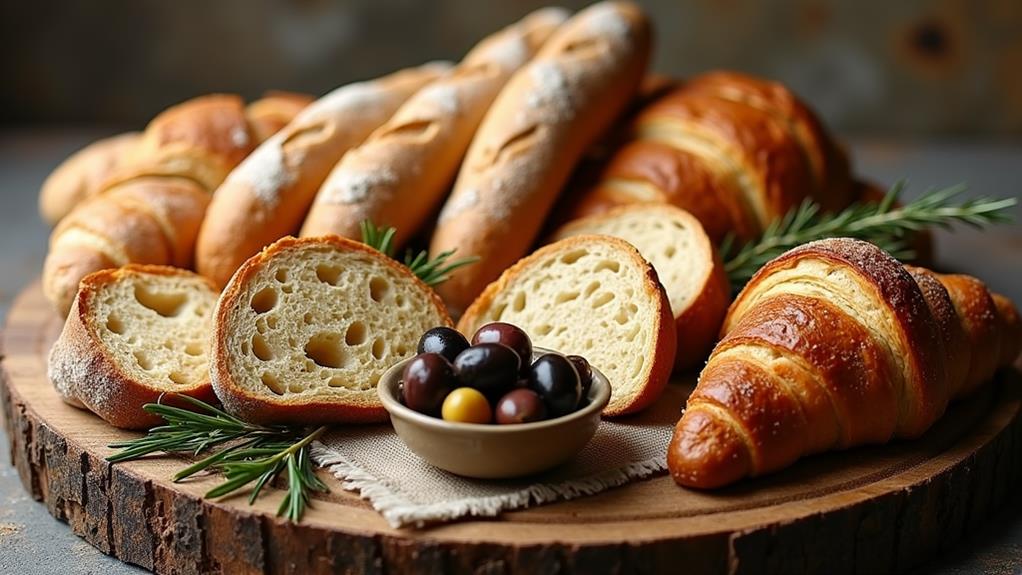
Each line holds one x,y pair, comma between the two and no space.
431,271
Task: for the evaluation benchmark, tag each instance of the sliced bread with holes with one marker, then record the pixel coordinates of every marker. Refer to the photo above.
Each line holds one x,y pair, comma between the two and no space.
593,296
306,328
686,262
133,334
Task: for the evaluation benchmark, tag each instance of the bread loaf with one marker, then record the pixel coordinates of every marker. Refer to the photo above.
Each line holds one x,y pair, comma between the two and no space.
134,334
685,260
593,296
269,114
305,329
401,173
736,151
533,135
80,176
831,345
268,195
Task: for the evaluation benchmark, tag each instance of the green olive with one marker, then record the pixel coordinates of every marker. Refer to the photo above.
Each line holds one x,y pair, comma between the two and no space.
466,405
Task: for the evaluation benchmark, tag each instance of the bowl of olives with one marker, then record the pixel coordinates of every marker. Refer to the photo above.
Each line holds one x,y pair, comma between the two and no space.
494,407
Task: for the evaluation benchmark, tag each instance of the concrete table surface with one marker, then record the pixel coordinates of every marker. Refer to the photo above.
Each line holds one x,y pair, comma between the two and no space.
32,542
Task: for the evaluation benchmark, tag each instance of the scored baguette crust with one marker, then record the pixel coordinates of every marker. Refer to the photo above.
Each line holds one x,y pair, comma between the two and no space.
629,396
312,409
831,345
535,132
80,176
400,174
88,376
269,114
698,311
268,195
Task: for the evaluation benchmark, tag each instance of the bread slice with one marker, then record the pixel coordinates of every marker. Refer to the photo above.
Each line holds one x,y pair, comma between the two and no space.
594,296
686,262
305,329
133,334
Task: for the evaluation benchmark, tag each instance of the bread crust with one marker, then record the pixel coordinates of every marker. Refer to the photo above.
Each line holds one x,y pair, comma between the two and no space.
86,374
268,195
957,347
316,410
80,176
535,132
401,173
1011,329
269,114
981,323
661,360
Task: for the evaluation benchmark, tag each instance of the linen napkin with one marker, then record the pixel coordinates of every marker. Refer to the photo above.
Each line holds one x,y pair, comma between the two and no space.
407,491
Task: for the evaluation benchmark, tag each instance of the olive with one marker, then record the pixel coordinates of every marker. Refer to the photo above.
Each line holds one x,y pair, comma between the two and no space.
555,380
509,335
446,341
491,368
585,373
466,405
426,381
520,406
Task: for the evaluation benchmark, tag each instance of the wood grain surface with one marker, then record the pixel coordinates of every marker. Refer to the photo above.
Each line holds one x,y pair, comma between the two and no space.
865,510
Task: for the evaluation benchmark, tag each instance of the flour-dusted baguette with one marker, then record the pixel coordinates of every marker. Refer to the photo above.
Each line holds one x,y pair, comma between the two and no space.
689,267
269,114
593,296
831,345
268,195
133,334
305,329
533,135
80,176
162,190
400,174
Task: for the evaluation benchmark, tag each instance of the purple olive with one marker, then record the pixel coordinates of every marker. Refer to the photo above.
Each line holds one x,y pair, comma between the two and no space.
509,335
491,368
585,373
554,378
426,381
520,406
446,341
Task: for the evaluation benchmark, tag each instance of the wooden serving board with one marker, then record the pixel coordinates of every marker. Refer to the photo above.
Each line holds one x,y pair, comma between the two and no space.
877,509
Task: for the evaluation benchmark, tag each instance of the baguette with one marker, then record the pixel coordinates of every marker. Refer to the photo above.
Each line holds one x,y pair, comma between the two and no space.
535,132
268,195
400,174
673,241
133,334
80,176
305,329
594,296
831,345
269,114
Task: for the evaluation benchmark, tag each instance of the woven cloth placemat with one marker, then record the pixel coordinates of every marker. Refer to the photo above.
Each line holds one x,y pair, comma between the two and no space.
407,491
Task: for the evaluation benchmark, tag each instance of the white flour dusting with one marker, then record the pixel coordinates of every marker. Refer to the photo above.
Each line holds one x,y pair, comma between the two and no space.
551,96
239,136
459,203
265,171
605,21
346,99
442,95
351,186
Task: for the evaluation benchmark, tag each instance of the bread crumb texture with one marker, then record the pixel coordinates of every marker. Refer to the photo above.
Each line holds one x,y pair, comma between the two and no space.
316,321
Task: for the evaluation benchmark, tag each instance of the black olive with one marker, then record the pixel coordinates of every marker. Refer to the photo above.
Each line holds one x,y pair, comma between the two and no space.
446,341
554,378
491,368
426,381
520,406
509,335
585,373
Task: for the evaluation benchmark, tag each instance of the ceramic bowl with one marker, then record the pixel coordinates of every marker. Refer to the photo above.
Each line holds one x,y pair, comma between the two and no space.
491,451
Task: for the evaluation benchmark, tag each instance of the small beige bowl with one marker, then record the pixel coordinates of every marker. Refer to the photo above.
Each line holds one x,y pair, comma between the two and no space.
491,451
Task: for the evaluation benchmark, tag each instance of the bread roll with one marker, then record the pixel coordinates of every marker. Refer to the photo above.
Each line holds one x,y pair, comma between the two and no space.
401,173
268,195
80,176
549,113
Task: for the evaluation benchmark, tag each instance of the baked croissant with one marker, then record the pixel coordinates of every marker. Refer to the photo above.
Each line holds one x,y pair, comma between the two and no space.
831,345
150,209
736,151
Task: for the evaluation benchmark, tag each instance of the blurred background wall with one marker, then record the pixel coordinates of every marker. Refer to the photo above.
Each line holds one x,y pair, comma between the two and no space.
871,67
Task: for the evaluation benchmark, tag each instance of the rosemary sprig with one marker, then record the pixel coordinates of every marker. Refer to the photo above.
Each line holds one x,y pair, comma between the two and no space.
880,223
254,453
430,271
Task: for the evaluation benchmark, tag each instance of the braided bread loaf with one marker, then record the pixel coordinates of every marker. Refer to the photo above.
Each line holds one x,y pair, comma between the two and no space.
831,345
149,211
736,151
